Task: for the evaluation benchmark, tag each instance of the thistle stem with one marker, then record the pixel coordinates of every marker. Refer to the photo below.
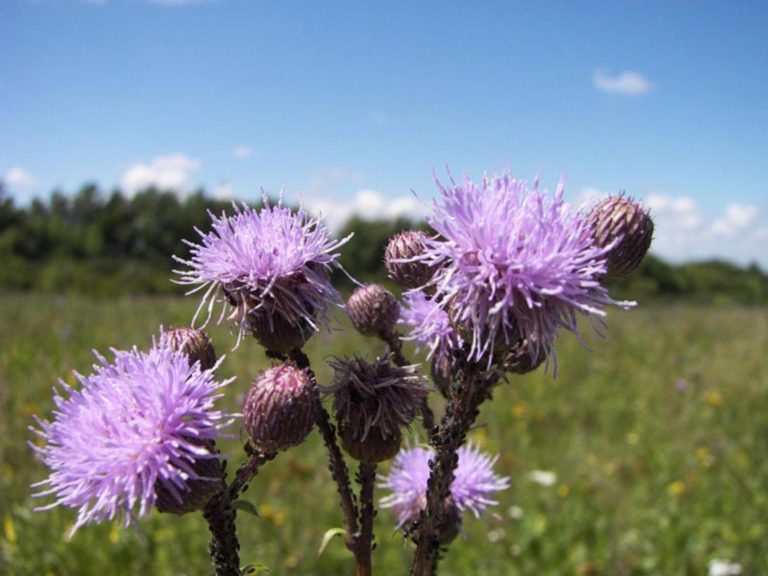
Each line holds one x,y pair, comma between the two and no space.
224,546
336,463
395,346
367,478
469,391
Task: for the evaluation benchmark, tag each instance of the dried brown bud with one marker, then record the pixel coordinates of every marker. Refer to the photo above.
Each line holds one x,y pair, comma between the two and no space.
278,411
625,224
192,342
373,310
405,246
377,446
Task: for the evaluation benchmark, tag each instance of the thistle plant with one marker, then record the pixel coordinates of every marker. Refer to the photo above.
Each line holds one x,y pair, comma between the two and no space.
505,270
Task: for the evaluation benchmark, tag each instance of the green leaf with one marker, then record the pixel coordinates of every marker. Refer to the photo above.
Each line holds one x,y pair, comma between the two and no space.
245,506
328,536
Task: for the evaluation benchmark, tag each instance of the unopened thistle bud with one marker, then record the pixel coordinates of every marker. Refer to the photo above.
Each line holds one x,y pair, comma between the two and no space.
278,411
399,255
625,224
196,492
373,310
194,343
276,334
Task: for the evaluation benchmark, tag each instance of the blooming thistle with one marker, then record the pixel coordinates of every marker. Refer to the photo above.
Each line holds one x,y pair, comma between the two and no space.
513,262
272,266
472,489
375,400
135,427
429,324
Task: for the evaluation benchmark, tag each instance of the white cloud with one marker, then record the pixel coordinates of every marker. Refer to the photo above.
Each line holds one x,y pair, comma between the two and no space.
18,177
224,191
169,172
589,196
738,218
683,233
680,213
242,152
369,205
628,83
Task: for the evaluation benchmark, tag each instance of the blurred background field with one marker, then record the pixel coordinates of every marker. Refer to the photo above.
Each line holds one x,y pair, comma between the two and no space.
646,455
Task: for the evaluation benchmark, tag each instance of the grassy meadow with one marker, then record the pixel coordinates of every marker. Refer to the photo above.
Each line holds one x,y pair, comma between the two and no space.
657,441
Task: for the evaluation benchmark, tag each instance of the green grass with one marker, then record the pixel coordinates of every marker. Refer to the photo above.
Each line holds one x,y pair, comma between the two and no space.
650,479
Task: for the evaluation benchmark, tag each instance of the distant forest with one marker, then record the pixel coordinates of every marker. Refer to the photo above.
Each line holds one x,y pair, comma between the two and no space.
107,244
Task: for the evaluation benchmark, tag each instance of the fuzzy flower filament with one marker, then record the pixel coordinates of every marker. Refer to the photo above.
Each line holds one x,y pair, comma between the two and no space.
136,424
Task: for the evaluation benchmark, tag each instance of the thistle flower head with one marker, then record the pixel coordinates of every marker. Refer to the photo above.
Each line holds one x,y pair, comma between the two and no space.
270,265
192,342
513,262
375,395
625,228
373,310
402,259
429,324
137,423
472,488
279,411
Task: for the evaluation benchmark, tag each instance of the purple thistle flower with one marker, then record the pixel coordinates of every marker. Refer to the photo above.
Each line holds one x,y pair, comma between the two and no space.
513,263
134,425
472,488
272,265
429,324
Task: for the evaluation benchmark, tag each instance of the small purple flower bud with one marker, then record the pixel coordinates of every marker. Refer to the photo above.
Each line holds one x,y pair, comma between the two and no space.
192,342
276,333
278,411
373,310
623,224
208,473
375,448
399,259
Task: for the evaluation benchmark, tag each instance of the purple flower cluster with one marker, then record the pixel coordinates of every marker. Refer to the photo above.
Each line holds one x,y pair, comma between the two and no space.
472,489
513,263
136,424
273,263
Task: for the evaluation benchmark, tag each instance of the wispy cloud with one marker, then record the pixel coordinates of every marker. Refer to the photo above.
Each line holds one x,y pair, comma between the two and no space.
367,204
628,83
18,177
682,232
169,172
242,152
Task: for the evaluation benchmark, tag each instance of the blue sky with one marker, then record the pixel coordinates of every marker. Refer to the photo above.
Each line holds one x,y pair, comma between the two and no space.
351,105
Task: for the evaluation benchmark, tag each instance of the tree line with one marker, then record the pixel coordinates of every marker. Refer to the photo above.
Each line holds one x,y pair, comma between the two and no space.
106,244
